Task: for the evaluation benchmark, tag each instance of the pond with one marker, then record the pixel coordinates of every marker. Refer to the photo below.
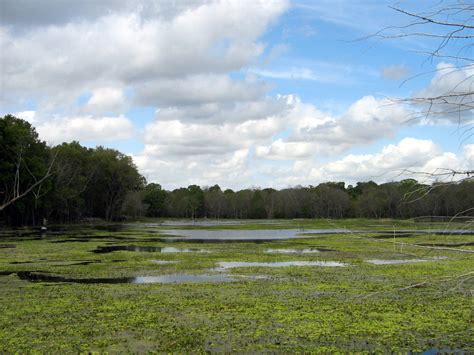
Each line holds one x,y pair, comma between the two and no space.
297,251
225,265
171,278
244,235
402,261
146,249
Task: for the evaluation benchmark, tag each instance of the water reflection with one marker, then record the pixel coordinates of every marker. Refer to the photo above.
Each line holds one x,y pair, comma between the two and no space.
147,249
246,235
402,261
172,278
297,251
182,278
224,265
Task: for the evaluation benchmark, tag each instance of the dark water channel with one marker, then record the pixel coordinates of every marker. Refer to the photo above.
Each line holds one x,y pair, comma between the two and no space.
171,278
146,249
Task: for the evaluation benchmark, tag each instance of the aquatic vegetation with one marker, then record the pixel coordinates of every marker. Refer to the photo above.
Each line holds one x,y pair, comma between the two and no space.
179,301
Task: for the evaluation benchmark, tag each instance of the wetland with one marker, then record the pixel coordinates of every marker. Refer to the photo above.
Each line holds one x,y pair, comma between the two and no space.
211,286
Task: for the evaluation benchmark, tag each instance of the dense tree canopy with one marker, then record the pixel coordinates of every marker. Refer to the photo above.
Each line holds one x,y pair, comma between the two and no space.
69,182
24,162
82,183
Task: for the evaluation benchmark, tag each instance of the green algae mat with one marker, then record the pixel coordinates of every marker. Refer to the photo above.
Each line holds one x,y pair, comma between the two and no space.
363,286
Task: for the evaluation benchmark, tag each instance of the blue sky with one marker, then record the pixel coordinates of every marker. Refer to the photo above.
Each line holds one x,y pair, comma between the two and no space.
242,94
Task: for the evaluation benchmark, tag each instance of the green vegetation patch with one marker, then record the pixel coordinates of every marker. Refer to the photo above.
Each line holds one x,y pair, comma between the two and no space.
361,308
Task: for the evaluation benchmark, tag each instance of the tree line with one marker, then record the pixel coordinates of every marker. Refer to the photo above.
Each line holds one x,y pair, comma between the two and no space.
71,183
404,199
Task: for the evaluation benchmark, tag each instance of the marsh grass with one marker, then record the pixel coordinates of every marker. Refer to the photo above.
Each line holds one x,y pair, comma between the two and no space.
360,308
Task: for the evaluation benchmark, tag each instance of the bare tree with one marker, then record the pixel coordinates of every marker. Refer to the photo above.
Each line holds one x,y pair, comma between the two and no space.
34,188
447,27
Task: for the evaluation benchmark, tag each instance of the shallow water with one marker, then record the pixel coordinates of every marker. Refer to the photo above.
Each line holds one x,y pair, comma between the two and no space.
171,278
245,235
182,278
439,231
392,235
460,244
401,261
224,265
147,249
297,251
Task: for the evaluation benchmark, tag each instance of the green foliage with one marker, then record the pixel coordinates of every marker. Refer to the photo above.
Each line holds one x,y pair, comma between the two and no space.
84,182
155,198
24,159
363,308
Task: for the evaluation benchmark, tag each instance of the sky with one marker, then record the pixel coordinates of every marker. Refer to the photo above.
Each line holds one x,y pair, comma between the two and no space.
237,93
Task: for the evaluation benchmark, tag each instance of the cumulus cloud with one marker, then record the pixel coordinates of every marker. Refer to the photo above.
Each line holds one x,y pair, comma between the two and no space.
214,37
312,132
449,96
229,170
175,138
197,89
106,100
285,150
29,116
85,128
289,130
409,153
219,112
196,64
420,159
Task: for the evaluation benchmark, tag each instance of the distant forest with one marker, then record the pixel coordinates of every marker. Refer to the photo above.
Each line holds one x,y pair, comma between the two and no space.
71,183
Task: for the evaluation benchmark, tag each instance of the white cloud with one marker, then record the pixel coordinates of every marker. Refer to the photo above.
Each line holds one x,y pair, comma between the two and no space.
176,57
280,150
106,100
229,170
449,96
409,153
313,132
409,158
126,48
289,130
219,112
85,128
197,89
29,116
197,65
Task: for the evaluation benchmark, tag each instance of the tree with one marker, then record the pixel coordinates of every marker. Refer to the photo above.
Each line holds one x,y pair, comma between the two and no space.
25,167
73,175
115,175
195,201
449,28
154,198
214,201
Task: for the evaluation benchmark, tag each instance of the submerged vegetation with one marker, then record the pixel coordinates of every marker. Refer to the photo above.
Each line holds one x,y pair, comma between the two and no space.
218,297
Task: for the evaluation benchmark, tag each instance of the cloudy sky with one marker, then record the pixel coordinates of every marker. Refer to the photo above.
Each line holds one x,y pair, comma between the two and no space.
240,93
